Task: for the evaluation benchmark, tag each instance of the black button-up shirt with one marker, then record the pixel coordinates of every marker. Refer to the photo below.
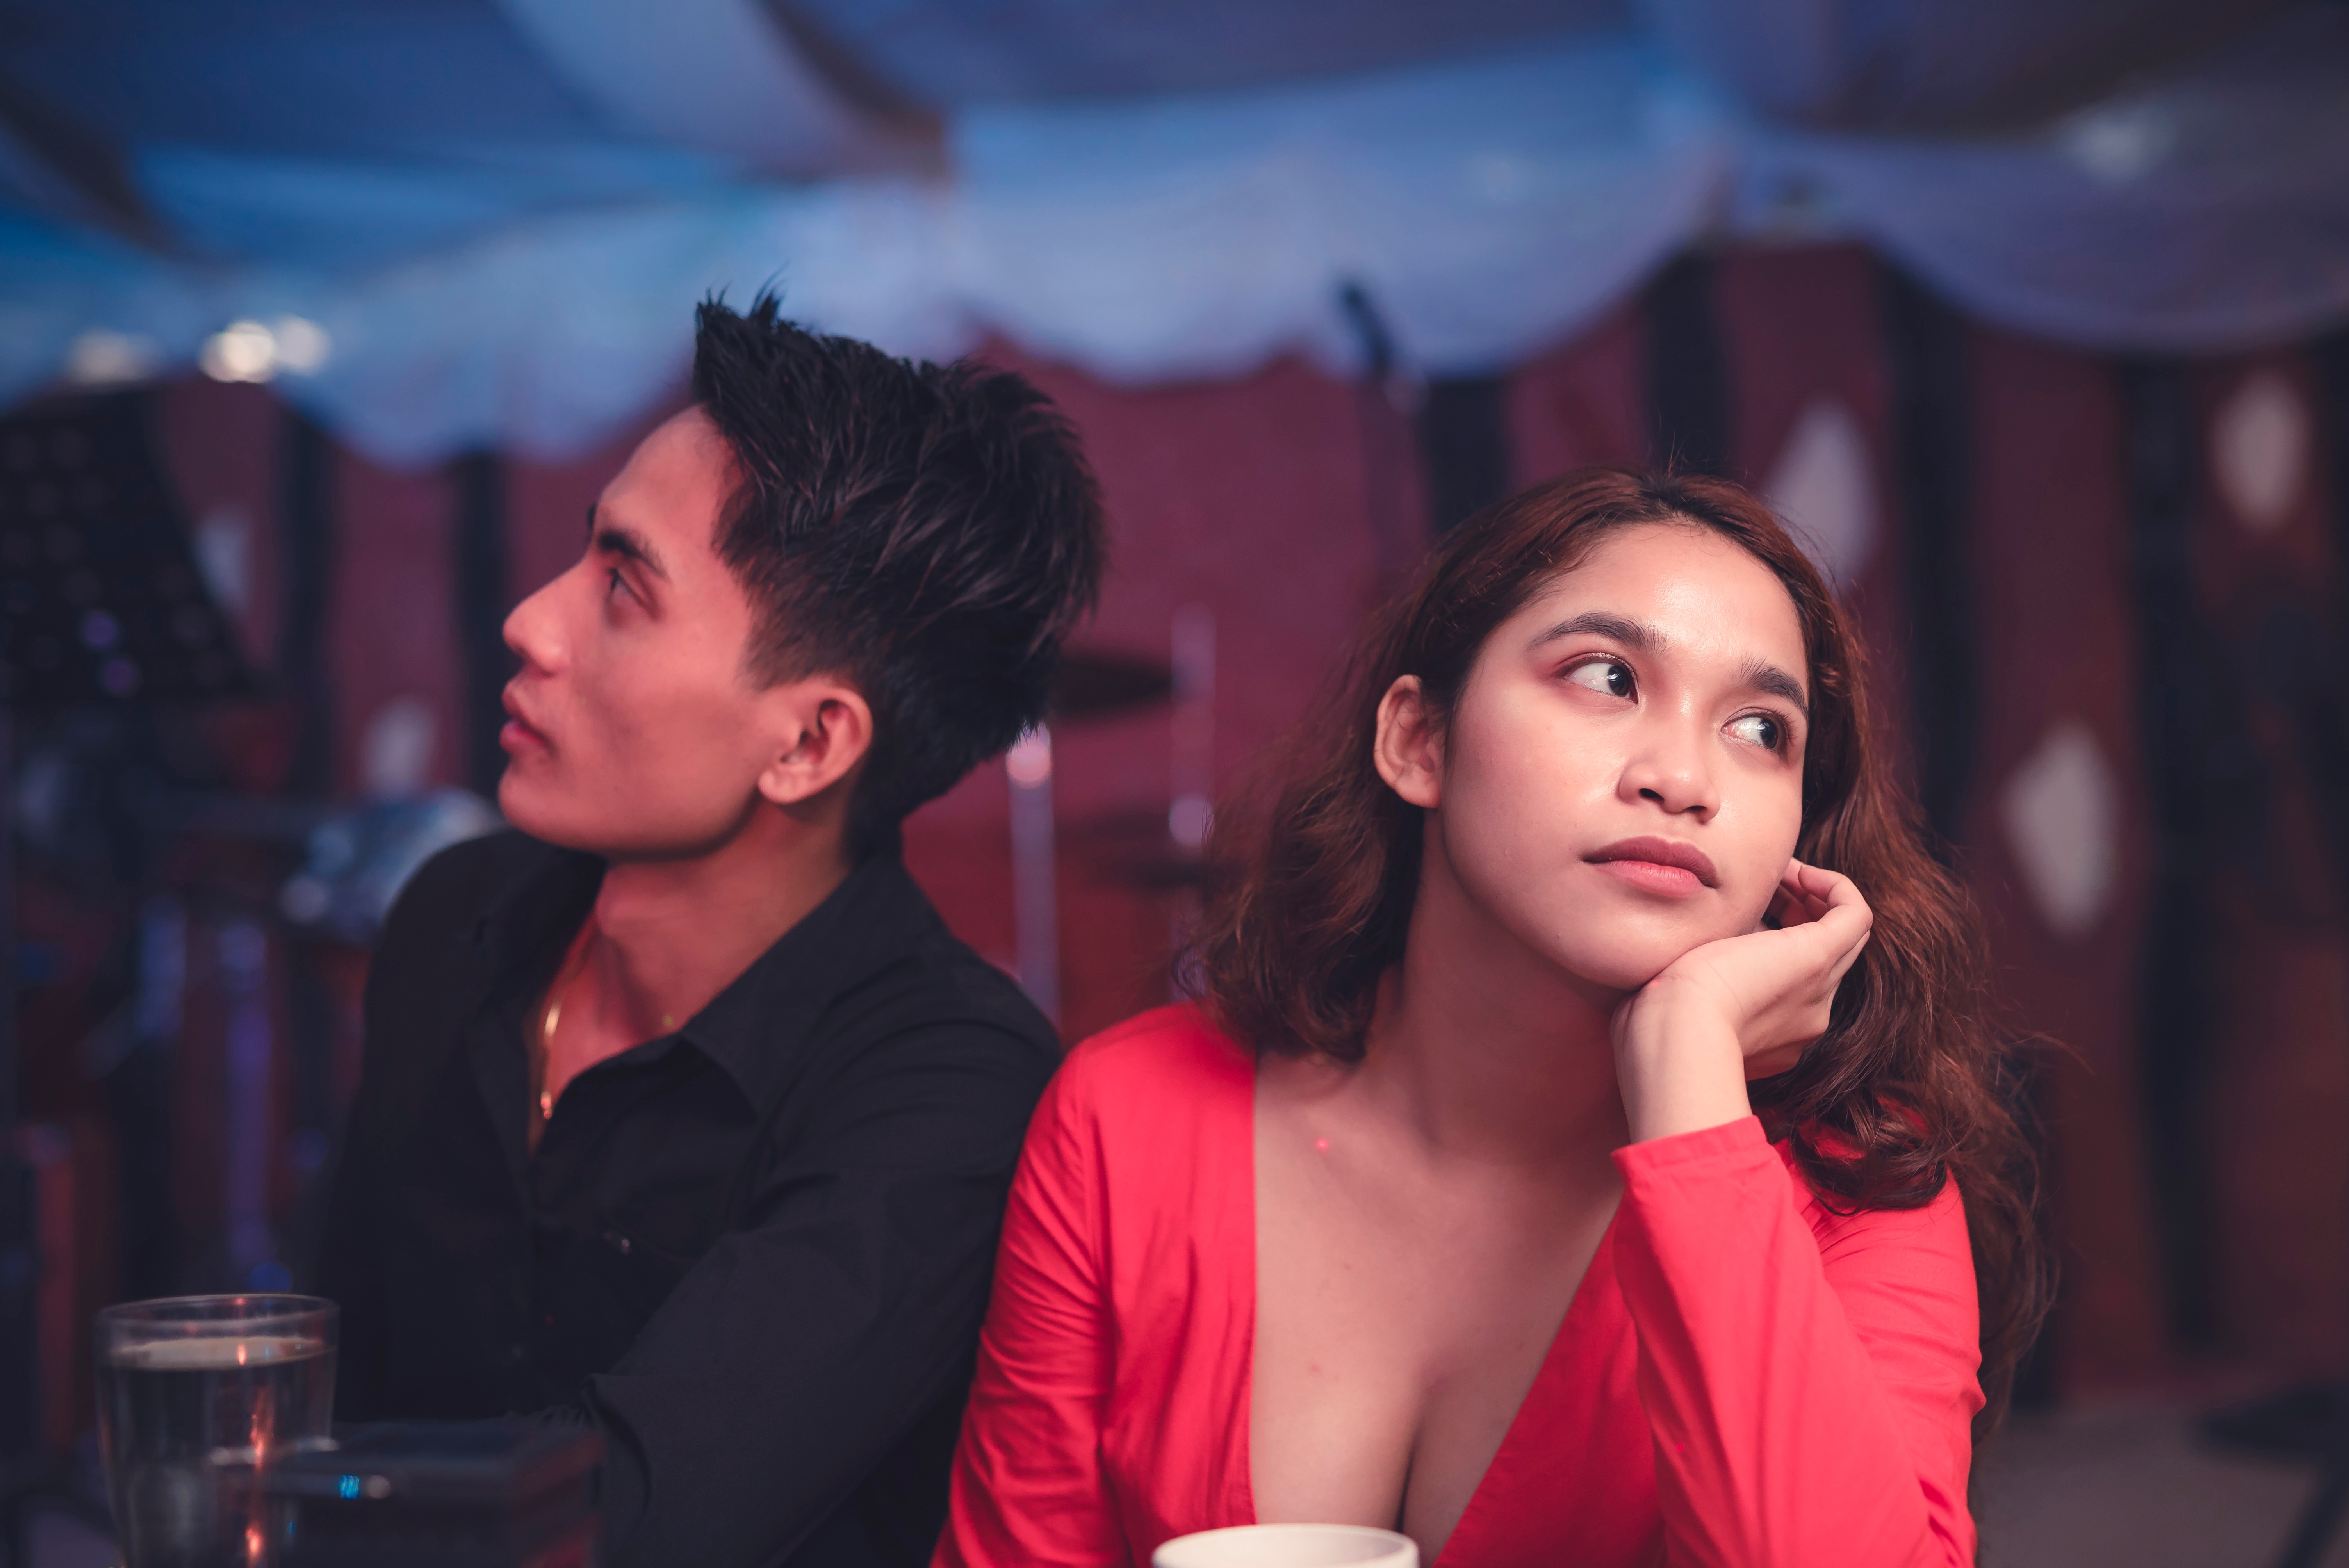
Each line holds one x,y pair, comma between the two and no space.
755,1251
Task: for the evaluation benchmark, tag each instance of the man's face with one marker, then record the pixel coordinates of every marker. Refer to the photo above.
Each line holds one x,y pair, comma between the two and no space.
634,729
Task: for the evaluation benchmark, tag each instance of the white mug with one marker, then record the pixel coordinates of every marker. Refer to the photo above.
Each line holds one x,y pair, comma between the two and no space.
1290,1546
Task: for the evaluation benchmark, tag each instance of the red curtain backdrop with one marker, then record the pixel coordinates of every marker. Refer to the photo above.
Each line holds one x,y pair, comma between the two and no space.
1800,340
2056,641
2279,1098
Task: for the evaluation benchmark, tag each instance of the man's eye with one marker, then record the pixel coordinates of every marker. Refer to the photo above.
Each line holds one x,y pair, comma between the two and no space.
1759,729
618,584
1612,676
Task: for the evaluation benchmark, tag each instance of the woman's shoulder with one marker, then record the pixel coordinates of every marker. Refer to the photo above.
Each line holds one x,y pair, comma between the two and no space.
1155,1064
1149,1120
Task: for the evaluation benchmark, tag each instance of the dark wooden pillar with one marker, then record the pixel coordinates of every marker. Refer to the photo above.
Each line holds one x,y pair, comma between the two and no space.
480,570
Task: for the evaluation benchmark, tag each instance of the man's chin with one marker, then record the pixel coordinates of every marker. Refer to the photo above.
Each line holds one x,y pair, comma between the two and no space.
525,805
617,831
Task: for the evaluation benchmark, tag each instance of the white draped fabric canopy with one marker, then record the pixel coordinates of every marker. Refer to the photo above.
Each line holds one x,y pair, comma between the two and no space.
497,214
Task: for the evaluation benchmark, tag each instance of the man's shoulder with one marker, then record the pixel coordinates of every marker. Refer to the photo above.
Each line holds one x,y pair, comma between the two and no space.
431,939
428,970
937,982
460,882
907,974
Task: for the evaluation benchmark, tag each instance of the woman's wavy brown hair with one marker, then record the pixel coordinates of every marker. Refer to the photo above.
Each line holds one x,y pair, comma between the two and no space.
1315,872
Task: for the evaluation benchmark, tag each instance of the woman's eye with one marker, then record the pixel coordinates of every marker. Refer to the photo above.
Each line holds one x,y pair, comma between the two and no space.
618,584
1759,729
1612,676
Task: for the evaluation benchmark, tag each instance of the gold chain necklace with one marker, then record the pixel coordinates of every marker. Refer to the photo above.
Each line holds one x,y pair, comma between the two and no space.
543,1059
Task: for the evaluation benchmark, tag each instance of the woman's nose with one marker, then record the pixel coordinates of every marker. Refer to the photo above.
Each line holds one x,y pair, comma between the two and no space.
1672,770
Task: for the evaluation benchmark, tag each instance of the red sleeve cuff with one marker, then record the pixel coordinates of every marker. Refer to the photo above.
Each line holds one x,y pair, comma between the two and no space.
1732,1141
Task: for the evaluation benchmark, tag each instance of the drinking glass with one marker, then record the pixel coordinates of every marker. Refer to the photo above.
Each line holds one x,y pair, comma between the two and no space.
1290,1546
195,1394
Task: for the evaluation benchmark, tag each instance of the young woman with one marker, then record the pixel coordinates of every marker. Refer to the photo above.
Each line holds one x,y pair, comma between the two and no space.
1587,1147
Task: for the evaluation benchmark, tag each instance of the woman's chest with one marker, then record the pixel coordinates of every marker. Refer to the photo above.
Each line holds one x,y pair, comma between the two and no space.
1402,1320
1569,1476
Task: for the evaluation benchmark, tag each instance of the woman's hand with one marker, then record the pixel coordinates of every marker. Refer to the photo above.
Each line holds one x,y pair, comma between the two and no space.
1743,1006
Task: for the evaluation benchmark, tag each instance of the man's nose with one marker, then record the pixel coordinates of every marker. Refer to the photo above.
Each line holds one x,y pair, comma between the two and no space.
533,631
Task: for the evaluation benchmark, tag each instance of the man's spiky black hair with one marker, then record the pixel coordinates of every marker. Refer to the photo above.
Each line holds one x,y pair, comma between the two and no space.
930,532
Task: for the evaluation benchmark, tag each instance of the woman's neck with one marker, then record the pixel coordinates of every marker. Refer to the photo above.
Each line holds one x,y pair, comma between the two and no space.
1486,1049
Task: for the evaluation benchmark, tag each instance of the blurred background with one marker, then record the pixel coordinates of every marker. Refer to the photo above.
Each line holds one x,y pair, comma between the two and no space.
322,321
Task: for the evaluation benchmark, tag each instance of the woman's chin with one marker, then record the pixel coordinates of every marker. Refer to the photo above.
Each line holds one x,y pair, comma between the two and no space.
1626,965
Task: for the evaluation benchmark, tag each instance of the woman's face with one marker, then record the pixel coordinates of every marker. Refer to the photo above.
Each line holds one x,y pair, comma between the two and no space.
1622,776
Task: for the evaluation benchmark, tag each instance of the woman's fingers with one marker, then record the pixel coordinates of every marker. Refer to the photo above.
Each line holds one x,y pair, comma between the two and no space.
1818,882
1807,893
1823,888
1843,964
1832,943
1840,918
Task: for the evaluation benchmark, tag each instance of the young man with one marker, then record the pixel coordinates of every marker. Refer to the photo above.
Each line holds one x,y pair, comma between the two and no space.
684,1112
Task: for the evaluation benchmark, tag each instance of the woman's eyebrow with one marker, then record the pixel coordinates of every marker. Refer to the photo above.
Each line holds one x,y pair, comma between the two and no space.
1771,681
1600,623
1761,675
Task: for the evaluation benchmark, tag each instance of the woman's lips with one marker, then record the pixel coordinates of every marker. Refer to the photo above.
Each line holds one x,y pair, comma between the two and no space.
1657,865
1650,877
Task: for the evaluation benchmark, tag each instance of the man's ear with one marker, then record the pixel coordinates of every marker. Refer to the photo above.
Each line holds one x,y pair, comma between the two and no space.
1406,751
824,728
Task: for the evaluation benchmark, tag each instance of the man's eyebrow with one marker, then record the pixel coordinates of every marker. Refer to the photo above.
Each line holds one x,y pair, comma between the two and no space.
627,544
1630,634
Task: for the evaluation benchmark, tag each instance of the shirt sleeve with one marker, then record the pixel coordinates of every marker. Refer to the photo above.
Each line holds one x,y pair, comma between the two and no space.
1810,1390
1029,1484
808,1343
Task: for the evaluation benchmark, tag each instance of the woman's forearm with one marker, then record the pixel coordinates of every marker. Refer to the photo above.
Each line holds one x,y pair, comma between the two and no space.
1807,1413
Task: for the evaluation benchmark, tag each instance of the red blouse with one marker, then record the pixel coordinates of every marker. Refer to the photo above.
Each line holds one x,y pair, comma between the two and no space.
1743,1376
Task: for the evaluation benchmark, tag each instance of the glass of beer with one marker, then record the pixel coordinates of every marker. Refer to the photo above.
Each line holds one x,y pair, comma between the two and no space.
195,1393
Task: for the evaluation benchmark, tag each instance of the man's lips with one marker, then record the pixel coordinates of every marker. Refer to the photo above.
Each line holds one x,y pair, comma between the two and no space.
1657,865
518,734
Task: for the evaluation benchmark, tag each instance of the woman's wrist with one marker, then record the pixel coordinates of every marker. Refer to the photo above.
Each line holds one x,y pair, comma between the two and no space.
1681,1066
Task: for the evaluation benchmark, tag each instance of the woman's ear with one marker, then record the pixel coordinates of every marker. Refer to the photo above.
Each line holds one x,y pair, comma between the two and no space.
824,728
1407,752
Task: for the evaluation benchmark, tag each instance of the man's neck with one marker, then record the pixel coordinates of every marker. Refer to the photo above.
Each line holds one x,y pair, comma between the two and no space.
665,936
